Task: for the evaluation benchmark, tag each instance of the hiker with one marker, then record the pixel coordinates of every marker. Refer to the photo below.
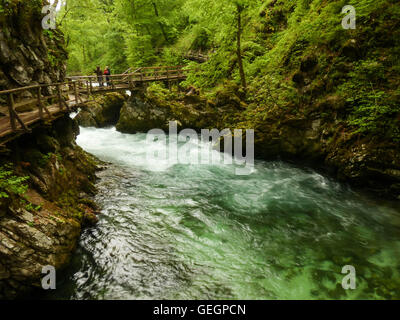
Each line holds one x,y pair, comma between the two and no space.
107,73
99,74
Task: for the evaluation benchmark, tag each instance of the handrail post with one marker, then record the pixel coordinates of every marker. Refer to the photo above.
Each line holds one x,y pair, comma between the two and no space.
169,82
91,85
11,111
76,93
59,97
14,116
39,94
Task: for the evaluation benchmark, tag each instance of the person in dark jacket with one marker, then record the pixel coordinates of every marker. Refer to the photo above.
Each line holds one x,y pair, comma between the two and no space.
99,74
107,73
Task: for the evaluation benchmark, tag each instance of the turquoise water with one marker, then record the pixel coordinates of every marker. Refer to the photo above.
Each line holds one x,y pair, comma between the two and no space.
202,232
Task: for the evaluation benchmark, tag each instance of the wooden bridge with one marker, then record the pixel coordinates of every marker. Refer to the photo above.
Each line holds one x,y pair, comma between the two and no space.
25,107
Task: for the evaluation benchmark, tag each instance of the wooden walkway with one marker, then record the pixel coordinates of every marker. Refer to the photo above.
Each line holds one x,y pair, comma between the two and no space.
28,106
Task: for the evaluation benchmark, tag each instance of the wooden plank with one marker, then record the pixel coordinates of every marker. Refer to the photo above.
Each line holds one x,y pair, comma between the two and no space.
24,103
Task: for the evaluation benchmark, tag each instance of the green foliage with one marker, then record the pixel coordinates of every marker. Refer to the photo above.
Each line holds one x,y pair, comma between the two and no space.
374,109
68,202
277,36
118,33
10,184
31,207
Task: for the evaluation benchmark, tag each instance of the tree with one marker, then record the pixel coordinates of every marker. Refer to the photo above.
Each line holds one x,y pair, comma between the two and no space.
239,10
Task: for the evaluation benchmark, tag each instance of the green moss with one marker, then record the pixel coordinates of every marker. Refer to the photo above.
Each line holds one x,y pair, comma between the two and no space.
69,203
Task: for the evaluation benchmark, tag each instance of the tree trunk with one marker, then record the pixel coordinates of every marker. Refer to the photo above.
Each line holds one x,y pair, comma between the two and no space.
84,55
159,23
239,48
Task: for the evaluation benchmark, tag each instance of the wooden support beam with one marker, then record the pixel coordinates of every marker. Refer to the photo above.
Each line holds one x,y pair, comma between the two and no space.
14,116
60,103
76,93
23,126
11,111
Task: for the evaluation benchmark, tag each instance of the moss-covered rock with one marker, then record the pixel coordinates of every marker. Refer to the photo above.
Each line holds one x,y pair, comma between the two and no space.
156,107
140,115
103,111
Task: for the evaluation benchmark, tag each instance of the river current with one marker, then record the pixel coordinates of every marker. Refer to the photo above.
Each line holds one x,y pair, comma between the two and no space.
193,231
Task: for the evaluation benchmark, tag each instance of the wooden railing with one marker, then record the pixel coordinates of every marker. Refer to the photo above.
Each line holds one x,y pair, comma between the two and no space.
46,101
42,102
129,80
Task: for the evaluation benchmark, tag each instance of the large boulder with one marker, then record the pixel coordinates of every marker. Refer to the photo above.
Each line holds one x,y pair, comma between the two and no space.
141,115
157,106
102,112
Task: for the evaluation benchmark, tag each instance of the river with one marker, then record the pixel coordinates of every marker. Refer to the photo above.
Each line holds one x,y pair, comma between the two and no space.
202,232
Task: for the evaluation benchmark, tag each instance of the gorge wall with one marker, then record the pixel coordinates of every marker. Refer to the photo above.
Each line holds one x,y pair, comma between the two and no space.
29,55
46,180
42,215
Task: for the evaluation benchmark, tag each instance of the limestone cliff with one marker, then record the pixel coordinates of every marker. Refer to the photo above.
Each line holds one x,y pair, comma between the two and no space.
41,218
28,54
46,180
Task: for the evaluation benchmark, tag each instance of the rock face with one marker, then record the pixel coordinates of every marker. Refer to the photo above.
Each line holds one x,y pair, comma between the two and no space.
140,115
42,226
29,54
102,112
155,108
373,164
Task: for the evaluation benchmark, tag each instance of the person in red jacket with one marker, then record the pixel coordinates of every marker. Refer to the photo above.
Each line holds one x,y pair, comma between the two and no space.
107,73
